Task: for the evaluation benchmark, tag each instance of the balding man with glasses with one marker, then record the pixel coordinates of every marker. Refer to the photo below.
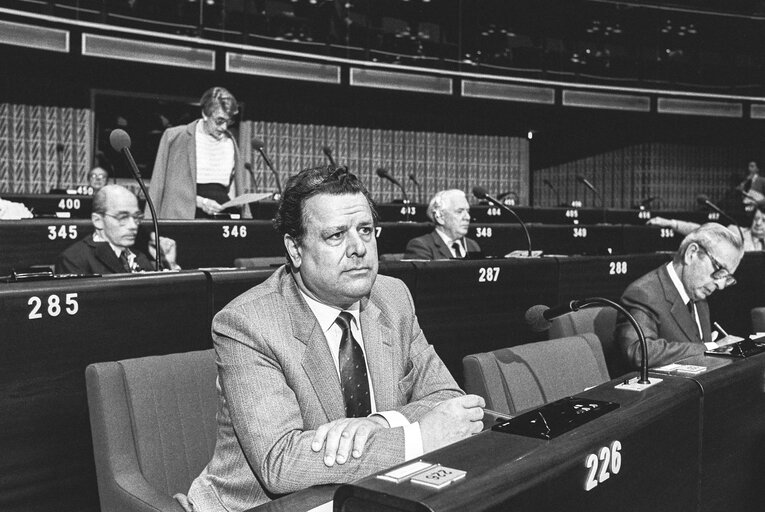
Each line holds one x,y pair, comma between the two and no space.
109,250
669,303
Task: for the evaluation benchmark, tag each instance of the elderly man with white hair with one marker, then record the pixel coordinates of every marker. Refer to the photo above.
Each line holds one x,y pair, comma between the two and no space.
450,212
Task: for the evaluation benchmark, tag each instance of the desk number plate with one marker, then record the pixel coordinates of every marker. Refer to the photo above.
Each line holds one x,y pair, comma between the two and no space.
438,477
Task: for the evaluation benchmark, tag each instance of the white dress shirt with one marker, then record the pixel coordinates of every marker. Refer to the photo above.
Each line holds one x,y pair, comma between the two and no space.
449,242
686,299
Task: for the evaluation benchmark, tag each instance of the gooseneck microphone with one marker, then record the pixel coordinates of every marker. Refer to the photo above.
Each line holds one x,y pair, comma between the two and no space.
120,142
328,153
538,318
703,200
259,147
383,173
552,187
584,181
413,179
59,164
481,193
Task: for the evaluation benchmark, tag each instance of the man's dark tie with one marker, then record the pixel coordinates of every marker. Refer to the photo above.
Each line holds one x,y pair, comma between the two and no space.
125,261
457,250
692,309
353,371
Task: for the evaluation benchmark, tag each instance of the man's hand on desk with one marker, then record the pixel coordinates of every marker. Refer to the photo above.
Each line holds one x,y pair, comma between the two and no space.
169,250
338,437
451,421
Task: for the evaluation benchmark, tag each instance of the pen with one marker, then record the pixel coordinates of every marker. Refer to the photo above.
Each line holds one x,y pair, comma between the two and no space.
721,329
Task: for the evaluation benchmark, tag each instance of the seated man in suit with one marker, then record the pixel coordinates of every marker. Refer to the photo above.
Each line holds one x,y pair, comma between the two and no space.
450,212
669,303
109,250
324,375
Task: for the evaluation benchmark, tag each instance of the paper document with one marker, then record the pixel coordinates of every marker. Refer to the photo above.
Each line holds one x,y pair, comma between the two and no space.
246,199
324,507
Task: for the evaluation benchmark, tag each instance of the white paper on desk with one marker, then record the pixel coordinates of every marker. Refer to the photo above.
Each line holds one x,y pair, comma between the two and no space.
246,199
728,340
324,507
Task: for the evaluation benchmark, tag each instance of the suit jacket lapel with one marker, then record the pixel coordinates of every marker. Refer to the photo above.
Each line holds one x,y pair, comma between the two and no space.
191,132
104,253
678,308
317,359
377,335
443,251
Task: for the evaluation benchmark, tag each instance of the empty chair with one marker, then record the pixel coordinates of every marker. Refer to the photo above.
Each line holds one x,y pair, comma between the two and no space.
517,378
598,320
154,428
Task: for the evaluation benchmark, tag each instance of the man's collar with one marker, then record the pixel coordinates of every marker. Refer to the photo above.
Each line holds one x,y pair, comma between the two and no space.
98,237
678,284
448,241
326,315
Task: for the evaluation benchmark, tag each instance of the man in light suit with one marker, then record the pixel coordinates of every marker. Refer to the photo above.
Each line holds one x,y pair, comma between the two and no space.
304,358
669,303
449,210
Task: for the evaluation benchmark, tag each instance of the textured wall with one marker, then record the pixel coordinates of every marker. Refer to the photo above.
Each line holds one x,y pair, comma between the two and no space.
31,138
438,160
676,173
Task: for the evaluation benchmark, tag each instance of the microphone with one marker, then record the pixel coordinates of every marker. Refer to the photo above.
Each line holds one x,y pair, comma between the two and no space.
584,181
328,153
538,318
383,173
413,178
248,166
703,200
551,187
645,202
59,164
258,145
120,141
481,193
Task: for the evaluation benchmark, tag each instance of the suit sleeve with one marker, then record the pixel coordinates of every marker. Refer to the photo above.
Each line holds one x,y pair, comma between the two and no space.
416,249
159,175
272,427
643,306
69,262
427,381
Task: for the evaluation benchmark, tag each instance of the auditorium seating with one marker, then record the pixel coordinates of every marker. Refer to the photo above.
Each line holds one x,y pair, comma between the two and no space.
153,425
518,378
598,320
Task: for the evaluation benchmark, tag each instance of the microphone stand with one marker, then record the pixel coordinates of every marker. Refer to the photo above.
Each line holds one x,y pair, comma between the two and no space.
595,301
503,206
137,174
725,215
551,187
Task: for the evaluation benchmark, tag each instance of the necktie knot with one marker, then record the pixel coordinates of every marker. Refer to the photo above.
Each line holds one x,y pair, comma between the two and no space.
457,249
125,261
344,321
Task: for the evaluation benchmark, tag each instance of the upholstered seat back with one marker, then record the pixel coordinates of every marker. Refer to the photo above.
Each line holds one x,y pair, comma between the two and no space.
517,378
154,428
598,320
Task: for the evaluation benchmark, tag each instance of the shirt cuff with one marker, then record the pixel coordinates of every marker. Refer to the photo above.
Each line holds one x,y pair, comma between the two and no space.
412,433
711,345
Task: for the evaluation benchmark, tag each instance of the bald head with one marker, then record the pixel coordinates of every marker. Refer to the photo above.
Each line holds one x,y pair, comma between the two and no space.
116,216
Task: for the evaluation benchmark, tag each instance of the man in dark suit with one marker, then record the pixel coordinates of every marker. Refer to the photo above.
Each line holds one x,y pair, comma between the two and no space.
109,250
324,375
449,210
669,303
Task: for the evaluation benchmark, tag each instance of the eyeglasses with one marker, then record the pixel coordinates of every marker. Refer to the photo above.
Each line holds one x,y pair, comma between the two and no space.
720,272
122,218
221,121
